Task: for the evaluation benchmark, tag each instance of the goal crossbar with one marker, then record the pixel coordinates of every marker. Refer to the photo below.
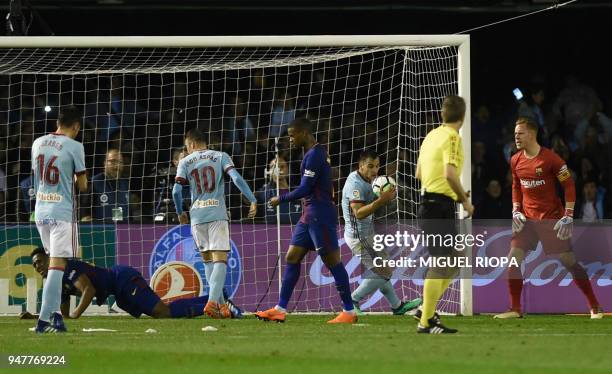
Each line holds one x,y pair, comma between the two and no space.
231,41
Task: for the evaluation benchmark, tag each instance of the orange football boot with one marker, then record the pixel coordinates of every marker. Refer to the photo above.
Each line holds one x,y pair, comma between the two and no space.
344,317
271,315
212,309
224,311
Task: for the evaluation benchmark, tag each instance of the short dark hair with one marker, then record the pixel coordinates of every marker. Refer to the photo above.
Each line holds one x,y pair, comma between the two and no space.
529,122
367,154
301,124
453,108
68,116
196,135
38,251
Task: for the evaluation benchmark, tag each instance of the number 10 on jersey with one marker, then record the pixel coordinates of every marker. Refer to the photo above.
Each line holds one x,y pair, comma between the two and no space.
207,182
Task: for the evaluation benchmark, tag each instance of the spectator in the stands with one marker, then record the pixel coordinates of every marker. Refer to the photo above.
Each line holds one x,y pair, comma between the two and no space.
290,212
531,106
495,204
590,206
165,211
480,172
283,112
483,128
559,146
238,128
27,200
592,147
575,106
109,191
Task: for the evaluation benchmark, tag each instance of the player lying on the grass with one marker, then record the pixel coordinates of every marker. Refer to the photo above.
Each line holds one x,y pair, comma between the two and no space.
317,227
358,206
536,208
131,291
203,170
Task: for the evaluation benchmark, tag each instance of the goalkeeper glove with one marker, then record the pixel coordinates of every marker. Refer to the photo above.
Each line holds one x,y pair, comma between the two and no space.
518,221
564,225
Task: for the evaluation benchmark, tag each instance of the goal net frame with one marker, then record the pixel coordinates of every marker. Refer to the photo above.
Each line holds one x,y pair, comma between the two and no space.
461,42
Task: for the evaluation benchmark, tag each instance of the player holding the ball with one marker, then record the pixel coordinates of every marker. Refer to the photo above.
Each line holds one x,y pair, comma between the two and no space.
360,200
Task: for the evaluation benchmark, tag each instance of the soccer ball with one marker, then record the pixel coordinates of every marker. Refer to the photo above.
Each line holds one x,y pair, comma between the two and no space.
382,183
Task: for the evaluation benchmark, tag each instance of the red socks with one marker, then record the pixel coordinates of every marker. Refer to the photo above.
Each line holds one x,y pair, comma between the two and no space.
515,286
583,282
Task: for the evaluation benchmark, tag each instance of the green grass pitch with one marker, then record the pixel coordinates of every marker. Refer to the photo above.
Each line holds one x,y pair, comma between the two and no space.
306,344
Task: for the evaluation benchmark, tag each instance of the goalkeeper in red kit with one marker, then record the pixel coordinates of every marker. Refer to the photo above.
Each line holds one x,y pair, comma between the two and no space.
539,215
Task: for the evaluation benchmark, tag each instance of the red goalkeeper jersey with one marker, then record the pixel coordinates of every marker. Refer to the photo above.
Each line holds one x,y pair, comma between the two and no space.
534,184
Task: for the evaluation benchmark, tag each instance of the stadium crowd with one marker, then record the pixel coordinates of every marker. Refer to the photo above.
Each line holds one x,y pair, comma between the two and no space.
133,144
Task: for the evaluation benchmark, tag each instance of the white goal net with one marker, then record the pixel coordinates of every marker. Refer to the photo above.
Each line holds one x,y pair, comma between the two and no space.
140,96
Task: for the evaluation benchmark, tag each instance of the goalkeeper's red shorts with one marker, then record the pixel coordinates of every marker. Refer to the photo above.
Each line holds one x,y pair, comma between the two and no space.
540,231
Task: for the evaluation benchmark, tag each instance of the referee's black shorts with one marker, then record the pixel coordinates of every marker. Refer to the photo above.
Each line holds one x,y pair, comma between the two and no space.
438,214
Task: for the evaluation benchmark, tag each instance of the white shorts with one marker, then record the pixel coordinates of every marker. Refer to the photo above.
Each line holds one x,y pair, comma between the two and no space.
211,236
59,238
357,245
365,250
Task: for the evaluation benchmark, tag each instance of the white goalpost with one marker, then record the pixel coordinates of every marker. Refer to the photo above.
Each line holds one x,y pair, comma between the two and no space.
139,95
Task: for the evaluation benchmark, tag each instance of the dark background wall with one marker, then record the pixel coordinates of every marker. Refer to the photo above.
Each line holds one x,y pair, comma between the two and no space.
548,46
574,39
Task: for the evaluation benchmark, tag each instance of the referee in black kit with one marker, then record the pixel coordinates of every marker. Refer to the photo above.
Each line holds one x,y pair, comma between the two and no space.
438,168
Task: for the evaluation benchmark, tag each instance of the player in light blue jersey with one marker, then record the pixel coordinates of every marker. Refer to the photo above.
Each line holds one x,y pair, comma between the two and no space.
203,170
56,159
358,206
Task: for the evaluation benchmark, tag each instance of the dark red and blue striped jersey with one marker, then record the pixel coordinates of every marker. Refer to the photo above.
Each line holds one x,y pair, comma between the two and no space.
102,279
315,188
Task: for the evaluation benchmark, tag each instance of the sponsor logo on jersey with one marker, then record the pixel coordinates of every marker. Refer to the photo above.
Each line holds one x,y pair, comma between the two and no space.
532,183
309,173
205,203
177,246
51,197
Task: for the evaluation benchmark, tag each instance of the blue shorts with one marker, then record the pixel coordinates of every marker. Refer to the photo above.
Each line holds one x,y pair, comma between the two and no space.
315,236
133,293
